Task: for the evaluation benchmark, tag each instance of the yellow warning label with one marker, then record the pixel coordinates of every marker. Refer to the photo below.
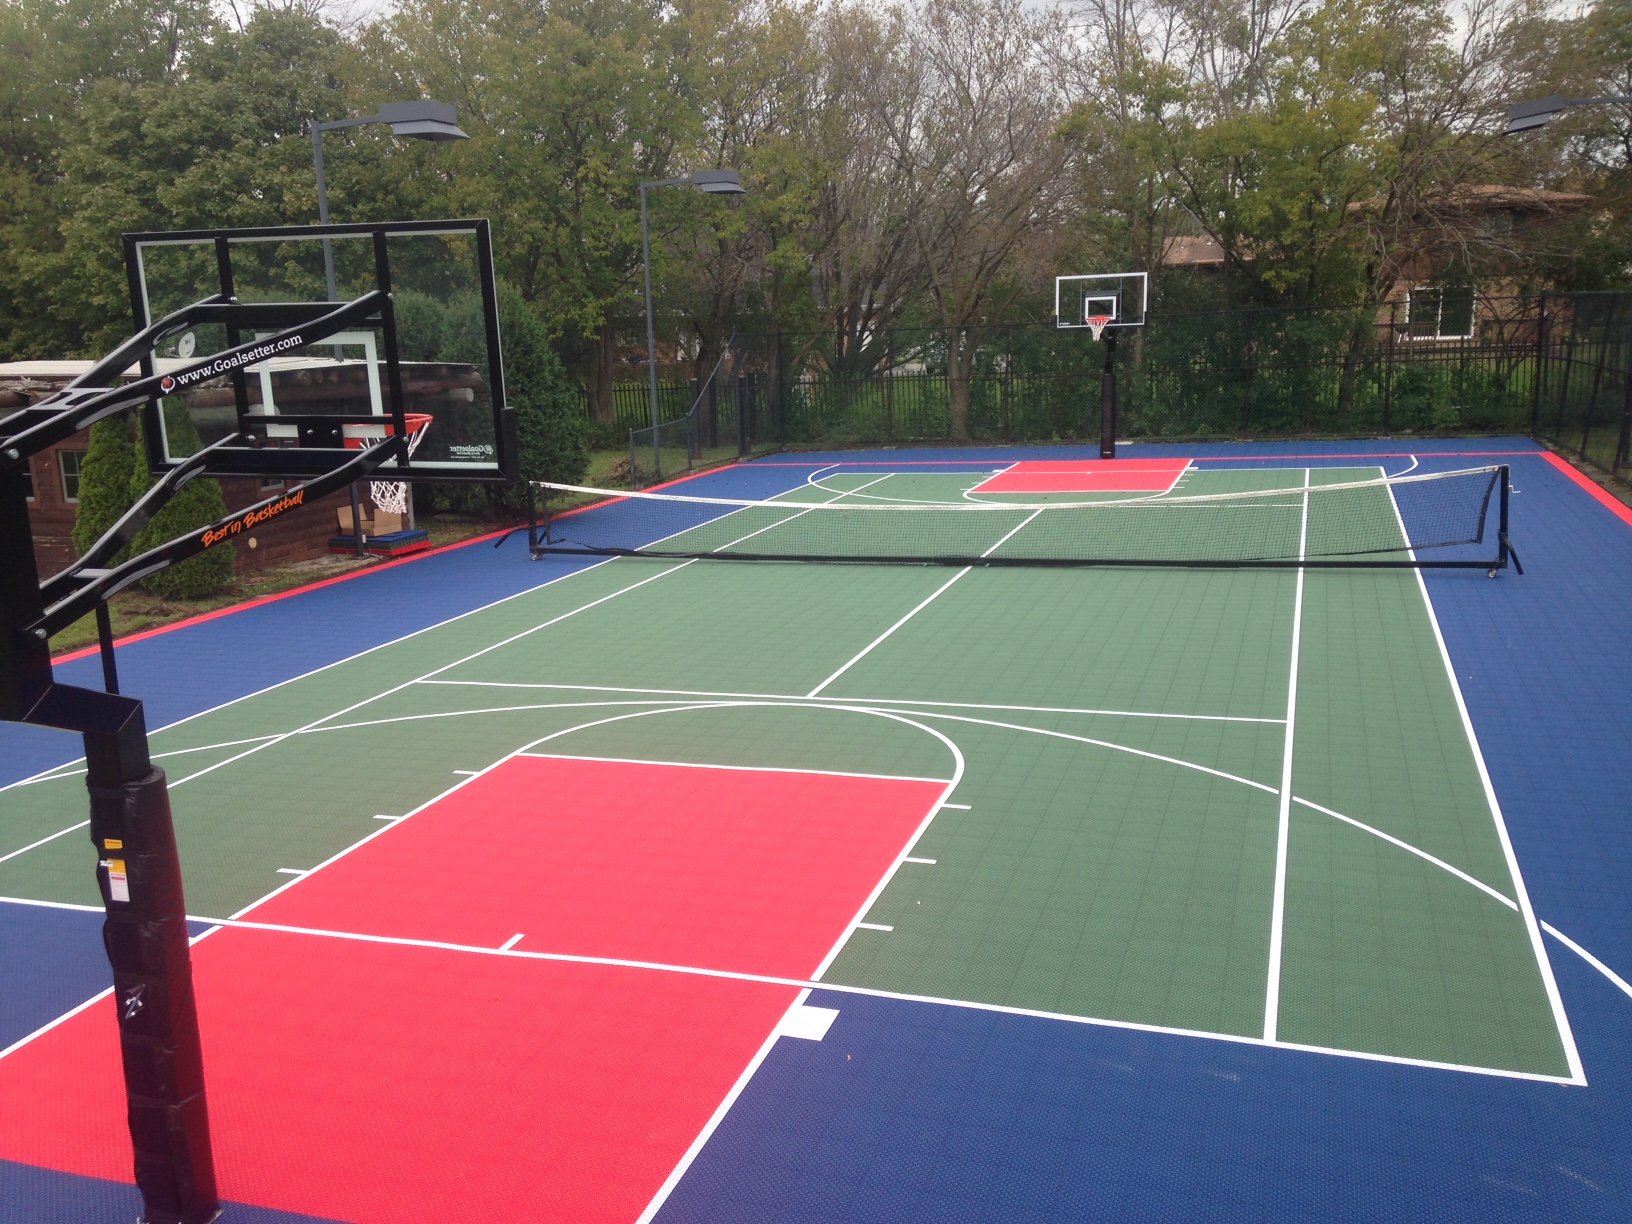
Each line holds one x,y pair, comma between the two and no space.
113,843
117,865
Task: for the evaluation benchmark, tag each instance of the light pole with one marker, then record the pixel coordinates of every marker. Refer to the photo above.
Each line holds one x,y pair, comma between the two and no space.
1522,116
420,120
408,120
711,182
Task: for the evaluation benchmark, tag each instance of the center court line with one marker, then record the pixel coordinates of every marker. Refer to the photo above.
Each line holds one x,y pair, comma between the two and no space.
868,649
805,984
1283,825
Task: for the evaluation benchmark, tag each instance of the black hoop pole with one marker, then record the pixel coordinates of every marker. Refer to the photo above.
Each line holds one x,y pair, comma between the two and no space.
1107,401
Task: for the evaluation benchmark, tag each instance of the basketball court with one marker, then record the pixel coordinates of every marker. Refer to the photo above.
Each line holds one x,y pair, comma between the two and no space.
639,887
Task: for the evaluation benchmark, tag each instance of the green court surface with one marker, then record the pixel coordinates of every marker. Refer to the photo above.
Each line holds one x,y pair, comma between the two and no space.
1138,833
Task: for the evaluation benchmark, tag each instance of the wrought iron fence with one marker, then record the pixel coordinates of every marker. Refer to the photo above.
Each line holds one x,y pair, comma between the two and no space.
1551,365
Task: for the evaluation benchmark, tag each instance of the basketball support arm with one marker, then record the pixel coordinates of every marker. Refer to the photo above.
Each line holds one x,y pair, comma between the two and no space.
138,870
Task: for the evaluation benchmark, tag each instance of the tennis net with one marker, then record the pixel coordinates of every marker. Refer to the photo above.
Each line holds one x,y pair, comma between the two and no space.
1447,519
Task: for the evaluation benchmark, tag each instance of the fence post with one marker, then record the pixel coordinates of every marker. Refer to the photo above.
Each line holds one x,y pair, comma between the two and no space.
1625,441
743,447
781,394
889,384
1388,369
1540,364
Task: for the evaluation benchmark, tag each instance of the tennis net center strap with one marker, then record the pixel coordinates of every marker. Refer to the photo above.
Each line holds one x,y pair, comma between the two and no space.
1434,519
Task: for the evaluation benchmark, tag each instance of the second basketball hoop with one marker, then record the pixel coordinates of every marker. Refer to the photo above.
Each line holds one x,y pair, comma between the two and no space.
1102,303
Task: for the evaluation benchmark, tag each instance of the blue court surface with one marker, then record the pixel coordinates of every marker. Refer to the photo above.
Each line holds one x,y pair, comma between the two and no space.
917,1108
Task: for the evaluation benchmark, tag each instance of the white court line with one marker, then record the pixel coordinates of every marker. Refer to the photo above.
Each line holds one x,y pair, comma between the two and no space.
1532,925
718,1116
555,620
866,650
50,838
835,987
1283,824
790,769
869,701
873,926
51,1024
801,514
881,637
511,942
923,861
1098,743
962,807
42,774
1621,983
1410,849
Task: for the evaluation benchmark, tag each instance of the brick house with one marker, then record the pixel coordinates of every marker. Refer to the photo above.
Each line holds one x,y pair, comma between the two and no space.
54,484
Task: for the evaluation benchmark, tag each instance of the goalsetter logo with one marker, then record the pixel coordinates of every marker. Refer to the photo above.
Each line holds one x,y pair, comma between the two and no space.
228,363
254,518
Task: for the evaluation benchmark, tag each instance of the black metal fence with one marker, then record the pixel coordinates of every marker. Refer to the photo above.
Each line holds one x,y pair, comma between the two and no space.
1583,394
1551,365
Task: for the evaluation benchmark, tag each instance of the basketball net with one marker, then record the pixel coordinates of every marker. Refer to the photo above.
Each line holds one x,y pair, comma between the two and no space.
1098,323
392,495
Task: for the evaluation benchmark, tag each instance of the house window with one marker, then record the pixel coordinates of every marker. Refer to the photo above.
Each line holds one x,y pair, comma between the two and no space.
1439,314
70,461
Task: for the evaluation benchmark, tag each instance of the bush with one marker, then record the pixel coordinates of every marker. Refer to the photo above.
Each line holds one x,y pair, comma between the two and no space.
551,433
198,504
105,481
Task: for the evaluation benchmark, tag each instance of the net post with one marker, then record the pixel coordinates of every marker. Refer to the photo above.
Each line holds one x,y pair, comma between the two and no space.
532,521
1107,401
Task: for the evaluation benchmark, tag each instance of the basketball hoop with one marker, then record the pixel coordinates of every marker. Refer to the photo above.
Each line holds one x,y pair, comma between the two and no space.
388,495
1097,324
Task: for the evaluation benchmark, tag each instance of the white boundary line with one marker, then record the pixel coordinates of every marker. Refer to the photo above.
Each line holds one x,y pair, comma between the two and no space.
1566,1035
837,988
48,838
703,1136
1283,825
336,663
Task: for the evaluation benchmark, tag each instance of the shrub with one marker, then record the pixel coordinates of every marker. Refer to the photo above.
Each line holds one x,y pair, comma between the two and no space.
197,504
105,481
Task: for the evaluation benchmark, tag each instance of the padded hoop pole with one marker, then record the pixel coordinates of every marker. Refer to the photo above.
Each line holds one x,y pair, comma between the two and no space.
145,934
1107,401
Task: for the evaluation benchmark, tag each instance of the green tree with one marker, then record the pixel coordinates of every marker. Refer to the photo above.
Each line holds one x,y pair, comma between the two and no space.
198,504
105,480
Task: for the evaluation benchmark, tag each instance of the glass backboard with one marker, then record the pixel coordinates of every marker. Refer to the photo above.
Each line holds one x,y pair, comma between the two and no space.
440,332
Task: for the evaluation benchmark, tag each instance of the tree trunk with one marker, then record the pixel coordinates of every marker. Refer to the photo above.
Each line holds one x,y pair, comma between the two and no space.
960,356
1346,383
601,404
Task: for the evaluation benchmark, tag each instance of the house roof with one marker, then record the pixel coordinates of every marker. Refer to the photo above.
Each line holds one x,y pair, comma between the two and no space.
1192,252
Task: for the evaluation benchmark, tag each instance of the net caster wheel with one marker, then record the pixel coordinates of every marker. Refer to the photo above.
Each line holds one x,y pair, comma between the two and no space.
1490,573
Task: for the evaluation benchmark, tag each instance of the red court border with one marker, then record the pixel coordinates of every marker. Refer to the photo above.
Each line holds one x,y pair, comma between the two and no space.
1600,494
